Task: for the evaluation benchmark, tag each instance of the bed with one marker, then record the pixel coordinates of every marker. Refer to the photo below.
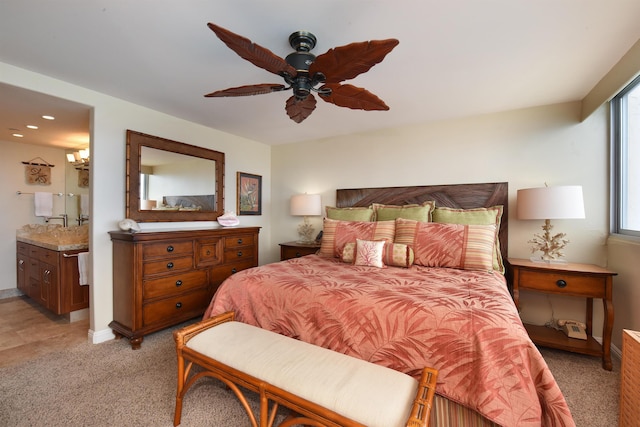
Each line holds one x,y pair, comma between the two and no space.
439,299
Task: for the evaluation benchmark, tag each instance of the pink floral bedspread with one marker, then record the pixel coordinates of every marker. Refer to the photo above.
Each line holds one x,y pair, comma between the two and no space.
464,323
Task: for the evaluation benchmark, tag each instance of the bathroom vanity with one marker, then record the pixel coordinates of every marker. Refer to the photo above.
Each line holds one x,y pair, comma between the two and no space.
48,274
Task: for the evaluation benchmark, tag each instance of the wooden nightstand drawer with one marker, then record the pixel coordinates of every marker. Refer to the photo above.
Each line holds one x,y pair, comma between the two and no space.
296,250
563,283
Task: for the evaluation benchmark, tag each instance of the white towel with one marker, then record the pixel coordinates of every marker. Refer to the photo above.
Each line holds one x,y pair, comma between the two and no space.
84,205
43,204
83,268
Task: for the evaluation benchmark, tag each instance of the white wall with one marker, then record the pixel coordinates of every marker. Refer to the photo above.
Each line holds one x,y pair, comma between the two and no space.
110,119
18,210
525,148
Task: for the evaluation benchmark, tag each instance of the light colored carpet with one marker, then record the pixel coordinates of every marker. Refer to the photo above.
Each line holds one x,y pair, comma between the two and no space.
111,385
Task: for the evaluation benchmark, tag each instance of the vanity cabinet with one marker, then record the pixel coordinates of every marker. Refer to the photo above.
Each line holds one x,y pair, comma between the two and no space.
51,278
162,278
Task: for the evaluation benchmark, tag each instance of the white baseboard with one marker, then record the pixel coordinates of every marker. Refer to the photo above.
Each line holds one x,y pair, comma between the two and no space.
104,335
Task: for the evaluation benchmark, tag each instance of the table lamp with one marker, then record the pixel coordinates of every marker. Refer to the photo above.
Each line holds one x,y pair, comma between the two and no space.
306,205
547,203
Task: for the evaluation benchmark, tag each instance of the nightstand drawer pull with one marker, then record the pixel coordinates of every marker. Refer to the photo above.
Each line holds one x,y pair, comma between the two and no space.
561,283
298,254
233,271
169,248
178,305
178,283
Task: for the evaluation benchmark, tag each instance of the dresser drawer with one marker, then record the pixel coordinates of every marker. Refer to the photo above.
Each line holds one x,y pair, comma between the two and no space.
167,265
239,241
177,283
218,274
176,309
239,254
209,252
170,248
563,282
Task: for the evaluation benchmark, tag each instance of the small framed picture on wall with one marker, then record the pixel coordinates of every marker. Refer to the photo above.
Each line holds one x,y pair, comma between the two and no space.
249,194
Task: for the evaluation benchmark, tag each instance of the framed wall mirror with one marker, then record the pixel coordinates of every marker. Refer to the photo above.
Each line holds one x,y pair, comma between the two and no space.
172,181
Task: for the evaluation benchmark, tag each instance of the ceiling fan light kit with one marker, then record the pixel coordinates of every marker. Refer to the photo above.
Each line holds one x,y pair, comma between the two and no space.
305,73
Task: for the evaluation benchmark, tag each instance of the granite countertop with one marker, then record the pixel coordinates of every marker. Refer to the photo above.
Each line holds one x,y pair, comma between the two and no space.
55,246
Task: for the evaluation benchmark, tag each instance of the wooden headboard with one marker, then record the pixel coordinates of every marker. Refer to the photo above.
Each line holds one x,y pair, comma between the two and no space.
461,196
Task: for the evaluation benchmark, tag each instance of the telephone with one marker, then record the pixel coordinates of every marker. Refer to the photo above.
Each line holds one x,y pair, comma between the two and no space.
573,329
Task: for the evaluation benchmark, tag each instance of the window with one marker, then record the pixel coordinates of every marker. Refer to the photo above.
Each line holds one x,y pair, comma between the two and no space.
625,156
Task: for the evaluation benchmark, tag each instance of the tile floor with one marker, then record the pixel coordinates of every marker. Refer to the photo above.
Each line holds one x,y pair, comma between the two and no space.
28,331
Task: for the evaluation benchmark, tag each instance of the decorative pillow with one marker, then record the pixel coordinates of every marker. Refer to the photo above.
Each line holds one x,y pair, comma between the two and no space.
350,214
468,247
336,234
477,216
420,212
369,253
394,254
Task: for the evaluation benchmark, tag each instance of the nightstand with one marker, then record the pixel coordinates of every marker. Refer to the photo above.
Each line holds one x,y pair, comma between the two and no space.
290,250
579,280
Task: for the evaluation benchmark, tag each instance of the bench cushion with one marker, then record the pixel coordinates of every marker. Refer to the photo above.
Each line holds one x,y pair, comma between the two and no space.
370,394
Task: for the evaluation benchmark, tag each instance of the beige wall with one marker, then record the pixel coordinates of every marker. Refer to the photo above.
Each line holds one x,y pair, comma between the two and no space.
525,148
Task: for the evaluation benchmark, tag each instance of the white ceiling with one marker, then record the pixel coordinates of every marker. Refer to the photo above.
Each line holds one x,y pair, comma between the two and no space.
455,58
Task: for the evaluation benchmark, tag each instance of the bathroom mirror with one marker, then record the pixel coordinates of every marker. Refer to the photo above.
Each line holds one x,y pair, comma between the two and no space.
172,181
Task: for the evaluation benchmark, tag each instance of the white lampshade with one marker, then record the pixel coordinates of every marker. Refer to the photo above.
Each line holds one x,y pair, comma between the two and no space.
306,205
561,202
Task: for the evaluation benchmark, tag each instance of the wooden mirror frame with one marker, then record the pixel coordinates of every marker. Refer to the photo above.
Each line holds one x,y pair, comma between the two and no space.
135,142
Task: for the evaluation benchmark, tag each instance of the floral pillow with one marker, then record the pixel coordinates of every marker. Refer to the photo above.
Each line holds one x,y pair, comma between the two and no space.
369,253
468,247
336,234
394,254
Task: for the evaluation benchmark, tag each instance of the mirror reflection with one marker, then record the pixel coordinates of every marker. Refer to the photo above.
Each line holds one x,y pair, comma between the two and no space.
172,181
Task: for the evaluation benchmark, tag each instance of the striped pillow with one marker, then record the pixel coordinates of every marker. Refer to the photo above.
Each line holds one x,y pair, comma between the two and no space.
468,247
336,234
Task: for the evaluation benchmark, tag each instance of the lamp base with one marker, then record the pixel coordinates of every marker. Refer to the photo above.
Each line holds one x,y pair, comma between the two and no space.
305,231
550,246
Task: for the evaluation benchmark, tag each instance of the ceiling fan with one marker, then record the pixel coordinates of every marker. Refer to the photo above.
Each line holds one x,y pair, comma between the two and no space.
305,73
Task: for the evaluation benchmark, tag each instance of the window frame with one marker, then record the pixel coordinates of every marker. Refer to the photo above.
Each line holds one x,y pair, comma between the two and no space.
619,153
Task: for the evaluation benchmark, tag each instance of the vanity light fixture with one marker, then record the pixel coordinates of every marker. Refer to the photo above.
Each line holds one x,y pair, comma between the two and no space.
306,205
79,158
547,203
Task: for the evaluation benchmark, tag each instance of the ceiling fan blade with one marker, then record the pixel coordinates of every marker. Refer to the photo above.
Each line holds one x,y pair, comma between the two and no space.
247,90
256,54
299,110
346,62
353,97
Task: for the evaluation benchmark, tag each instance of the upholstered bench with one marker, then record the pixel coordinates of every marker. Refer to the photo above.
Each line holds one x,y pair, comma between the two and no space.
320,386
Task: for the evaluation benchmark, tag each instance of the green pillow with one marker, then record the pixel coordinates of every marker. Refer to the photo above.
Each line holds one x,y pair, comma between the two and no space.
350,214
415,212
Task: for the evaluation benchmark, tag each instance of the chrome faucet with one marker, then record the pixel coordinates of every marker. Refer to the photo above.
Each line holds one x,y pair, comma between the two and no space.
82,219
63,217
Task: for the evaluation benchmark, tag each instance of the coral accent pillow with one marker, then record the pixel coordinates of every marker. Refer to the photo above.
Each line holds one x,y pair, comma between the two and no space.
468,247
336,234
394,254
369,253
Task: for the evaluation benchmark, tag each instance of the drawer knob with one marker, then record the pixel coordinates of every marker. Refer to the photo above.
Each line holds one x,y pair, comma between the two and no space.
169,265
239,241
239,254
561,283
178,305
178,283
169,248
233,271
298,254
208,252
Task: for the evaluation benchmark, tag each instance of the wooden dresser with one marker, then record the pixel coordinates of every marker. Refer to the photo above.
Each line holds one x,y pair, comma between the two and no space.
162,278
